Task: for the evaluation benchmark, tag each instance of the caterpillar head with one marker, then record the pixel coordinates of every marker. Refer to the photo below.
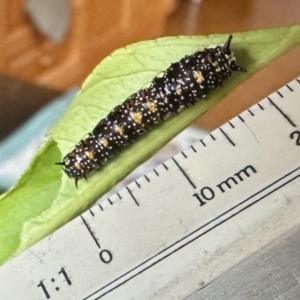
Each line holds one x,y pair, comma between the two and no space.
81,161
72,166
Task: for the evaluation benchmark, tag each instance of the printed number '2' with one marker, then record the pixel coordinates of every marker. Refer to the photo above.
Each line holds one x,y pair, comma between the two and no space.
296,135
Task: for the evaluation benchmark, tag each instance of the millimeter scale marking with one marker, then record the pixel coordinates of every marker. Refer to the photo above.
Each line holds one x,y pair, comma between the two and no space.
181,225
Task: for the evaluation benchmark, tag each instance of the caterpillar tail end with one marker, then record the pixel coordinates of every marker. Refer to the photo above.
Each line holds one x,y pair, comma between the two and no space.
227,51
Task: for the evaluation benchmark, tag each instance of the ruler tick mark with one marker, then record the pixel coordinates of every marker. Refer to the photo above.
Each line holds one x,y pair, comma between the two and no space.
183,154
119,196
202,143
147,178
241,118
109,201
279,94
284,115
212,137
137,184
100,206
165,166
227,137
155,172
90,231
185,175
91,212
130,193
251,113
231,124
193,149
260,106
289,88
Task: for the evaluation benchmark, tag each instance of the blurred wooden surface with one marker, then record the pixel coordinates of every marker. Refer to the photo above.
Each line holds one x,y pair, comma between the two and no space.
219,16
96,29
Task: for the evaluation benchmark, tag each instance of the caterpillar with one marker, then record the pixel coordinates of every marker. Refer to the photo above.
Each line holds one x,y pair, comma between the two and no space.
180,86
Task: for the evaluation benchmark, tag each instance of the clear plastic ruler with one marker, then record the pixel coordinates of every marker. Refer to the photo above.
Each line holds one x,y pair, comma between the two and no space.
183,224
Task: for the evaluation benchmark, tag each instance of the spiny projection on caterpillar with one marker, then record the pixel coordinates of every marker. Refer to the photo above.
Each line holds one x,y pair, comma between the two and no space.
181,85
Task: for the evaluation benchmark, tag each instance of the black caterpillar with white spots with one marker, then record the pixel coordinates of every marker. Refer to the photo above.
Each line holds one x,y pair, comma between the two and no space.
181,85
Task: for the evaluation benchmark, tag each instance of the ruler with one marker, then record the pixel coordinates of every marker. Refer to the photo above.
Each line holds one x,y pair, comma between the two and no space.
178,227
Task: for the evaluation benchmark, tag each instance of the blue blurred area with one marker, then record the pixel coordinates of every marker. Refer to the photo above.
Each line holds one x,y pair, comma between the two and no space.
18,148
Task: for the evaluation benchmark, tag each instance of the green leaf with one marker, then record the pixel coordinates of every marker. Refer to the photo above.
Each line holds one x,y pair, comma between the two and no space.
45,198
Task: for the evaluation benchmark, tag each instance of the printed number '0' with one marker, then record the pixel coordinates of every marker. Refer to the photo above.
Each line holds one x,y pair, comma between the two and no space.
106,256
296,135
